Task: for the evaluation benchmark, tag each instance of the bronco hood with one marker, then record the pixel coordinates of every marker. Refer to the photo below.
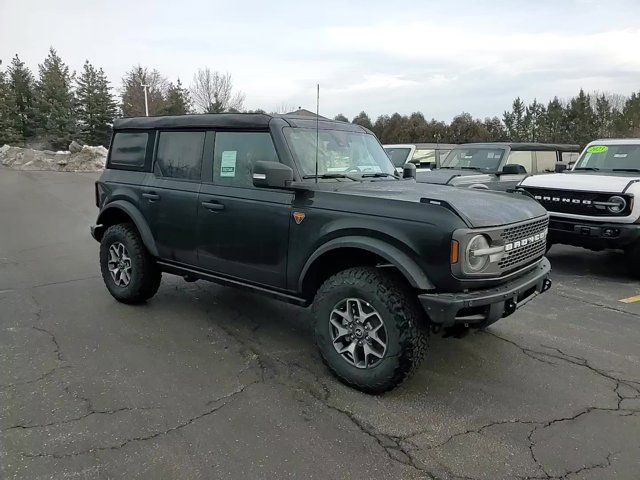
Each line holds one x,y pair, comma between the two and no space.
478,208
444,176
611,182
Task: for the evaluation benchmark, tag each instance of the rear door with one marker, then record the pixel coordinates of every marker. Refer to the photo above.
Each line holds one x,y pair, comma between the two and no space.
243,231
171,194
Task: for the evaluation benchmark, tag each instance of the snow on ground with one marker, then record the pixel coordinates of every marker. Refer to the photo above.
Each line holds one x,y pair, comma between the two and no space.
87,159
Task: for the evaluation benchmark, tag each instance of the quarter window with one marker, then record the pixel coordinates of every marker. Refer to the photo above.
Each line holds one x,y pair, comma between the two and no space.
180,155
546,161
236,152
129,149
521,158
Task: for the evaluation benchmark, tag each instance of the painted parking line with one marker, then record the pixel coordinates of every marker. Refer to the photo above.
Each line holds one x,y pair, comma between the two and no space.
635,298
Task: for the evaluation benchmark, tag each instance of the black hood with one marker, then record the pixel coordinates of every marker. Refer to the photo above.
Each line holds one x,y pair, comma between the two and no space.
442,176
478,208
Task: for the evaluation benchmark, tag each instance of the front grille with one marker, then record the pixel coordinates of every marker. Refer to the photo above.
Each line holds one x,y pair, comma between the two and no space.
577,202
528,248
524,230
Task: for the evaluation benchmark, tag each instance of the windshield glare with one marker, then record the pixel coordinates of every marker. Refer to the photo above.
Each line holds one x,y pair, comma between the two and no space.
339,152
398,155
610,157
486,159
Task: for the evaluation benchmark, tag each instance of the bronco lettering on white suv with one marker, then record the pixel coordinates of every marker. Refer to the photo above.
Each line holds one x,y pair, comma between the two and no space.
593,205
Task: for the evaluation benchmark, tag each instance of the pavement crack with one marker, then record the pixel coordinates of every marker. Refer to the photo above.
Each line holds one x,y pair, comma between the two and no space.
78,418
186,423
597,304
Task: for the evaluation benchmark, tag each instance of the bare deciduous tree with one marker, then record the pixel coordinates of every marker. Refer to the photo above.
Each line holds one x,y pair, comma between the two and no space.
212,92
132,93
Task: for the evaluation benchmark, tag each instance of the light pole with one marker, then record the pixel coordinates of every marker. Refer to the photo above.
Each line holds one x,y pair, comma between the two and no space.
146,101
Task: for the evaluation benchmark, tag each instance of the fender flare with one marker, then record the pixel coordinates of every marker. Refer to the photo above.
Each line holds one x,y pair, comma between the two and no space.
138,219
396,257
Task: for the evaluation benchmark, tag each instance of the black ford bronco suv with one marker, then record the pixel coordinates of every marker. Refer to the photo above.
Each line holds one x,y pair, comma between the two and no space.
311,211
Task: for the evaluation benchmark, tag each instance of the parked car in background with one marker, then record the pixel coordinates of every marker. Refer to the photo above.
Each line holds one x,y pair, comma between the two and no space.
425,156
498,166
594,204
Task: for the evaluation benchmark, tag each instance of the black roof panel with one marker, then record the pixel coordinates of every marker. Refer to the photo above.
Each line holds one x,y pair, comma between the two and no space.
525,146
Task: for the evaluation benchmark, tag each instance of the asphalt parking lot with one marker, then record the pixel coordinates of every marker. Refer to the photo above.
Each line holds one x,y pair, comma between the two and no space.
209,382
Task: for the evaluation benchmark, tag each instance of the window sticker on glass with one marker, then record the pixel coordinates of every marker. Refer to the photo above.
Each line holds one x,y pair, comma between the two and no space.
228,163
597,149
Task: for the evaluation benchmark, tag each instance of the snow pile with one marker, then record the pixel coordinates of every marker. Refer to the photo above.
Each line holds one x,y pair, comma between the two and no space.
84,159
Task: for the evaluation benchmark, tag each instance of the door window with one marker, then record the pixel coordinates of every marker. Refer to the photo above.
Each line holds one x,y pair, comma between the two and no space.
236,152
521,158
424,156
180,155
546,161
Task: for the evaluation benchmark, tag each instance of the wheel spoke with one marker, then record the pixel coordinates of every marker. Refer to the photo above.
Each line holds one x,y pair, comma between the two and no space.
358,332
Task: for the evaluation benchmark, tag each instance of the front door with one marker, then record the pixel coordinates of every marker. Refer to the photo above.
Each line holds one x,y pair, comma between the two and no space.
243,231
171,194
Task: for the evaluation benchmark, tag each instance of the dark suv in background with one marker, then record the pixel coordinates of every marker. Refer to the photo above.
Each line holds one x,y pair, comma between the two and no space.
254,201
499,166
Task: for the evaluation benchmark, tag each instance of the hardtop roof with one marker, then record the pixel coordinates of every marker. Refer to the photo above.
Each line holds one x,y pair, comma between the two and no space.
231,121
563,147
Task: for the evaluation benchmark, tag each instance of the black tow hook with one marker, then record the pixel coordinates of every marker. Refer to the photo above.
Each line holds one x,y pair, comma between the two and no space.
546,285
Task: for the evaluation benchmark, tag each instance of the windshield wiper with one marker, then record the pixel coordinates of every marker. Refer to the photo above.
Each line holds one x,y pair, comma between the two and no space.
379,175
470,168
626,170
332,175
587,168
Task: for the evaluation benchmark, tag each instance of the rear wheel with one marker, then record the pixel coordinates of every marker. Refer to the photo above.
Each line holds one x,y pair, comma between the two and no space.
369,329
129,272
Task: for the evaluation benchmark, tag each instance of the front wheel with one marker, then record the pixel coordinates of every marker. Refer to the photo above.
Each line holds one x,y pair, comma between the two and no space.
632,255
369,329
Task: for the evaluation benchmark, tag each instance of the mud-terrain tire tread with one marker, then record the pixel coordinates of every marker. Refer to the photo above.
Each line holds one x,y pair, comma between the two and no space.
408,316
146,280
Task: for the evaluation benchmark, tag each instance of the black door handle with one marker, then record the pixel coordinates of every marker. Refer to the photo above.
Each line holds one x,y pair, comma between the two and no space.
213,206
151,196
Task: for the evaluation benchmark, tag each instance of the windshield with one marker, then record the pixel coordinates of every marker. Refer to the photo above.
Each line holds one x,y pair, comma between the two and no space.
339,152
398,155
610,157
485,159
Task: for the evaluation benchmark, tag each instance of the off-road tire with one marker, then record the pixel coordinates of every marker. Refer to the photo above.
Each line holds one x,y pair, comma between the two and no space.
145,274
404,320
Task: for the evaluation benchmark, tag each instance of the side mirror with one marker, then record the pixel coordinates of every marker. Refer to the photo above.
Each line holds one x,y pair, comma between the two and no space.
409,170
271,175
513,169
560,167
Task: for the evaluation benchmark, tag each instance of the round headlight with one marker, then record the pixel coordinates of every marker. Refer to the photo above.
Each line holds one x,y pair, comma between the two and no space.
619,204
476,263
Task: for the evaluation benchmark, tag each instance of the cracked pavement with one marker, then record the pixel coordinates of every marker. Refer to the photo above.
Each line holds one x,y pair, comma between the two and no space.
209,382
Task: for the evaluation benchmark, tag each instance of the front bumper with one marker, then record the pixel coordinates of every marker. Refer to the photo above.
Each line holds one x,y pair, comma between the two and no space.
487,305
593,235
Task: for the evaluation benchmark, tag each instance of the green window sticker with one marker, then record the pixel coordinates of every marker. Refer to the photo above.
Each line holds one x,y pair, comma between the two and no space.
597,149
228,163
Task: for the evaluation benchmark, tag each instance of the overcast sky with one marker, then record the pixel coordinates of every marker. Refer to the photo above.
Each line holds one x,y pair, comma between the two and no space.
440,58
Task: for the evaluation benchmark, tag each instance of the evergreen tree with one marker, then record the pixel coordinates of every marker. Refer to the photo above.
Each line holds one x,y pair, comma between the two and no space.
132,93
9,132
605,117
533,116
553,123
495,131
96,107
514,121
21,88
177,100
341,118
363,120
629,122
55,101
581,119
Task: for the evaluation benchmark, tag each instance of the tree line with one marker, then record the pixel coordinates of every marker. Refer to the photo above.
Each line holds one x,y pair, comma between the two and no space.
58,105
579,120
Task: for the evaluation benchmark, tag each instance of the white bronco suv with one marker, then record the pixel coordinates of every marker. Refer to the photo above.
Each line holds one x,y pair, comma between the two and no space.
594,204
